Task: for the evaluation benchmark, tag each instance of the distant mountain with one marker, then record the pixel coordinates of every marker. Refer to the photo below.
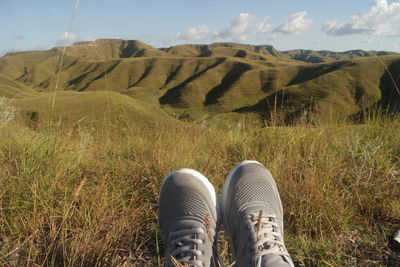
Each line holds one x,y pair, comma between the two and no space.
254,52
104,49
191,81
262,52
326,56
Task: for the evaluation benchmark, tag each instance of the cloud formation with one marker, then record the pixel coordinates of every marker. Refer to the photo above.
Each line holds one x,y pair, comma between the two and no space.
195,34
382,19
242,27
67,38
297,23
247,25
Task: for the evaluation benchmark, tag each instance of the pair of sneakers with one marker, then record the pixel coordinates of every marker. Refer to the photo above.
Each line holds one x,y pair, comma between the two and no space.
250,209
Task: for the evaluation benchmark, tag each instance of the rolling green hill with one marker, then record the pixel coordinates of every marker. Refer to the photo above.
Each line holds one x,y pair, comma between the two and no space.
261,52
194,81
105,49
90,108
253,52
326,56
13,89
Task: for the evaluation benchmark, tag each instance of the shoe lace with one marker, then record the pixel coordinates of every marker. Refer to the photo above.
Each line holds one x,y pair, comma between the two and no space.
186,244
268,239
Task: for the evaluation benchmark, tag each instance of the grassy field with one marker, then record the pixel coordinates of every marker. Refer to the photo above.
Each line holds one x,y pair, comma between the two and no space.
74,195
82,159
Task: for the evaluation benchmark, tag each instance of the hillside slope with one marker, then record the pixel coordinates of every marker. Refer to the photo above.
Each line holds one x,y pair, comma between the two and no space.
90,108
13,89
262,52
328,56
105,49
211,79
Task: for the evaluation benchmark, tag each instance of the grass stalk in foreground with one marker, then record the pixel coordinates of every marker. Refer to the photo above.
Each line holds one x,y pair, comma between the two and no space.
69,200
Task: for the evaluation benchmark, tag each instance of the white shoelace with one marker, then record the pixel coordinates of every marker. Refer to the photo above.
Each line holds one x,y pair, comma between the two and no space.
187,244
268,236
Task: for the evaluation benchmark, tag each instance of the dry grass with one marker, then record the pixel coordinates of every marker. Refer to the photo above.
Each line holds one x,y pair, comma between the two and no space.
69,197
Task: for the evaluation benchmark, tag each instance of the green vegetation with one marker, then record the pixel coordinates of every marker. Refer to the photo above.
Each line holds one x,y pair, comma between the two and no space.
73,195
82,159
11,88
326,56
88,108
216,79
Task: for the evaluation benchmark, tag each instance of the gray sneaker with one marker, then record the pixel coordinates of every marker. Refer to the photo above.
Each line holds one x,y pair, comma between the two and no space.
253,217
188,219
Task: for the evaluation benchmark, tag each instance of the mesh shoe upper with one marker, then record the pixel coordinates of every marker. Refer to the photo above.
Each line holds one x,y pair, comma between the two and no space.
253,217
188,218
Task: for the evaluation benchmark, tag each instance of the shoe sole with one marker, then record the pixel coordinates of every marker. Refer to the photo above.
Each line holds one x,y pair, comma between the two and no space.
224,195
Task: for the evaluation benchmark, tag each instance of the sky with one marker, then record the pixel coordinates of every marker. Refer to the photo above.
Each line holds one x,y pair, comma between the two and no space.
338,25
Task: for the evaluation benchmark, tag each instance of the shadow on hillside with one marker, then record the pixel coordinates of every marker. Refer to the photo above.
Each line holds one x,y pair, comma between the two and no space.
389,104
283,104
84,80
172,96
145,73
131,49
306,74
229,79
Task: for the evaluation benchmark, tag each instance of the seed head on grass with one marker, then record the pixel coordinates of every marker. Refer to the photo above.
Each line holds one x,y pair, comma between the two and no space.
260,214
85,138
7,112
176,262
207,226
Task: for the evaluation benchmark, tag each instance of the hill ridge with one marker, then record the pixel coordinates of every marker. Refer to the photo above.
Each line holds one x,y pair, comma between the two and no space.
212,79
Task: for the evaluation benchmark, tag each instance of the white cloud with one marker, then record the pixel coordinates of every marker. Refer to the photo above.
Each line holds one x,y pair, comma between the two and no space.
297,23
262,27
245,26
67,38
382,19
240,28
397,47
195,34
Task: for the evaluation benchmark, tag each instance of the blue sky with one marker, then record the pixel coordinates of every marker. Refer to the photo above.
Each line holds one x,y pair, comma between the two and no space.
287,24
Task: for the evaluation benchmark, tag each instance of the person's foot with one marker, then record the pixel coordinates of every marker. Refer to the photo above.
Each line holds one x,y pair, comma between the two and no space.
253,217
188,219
